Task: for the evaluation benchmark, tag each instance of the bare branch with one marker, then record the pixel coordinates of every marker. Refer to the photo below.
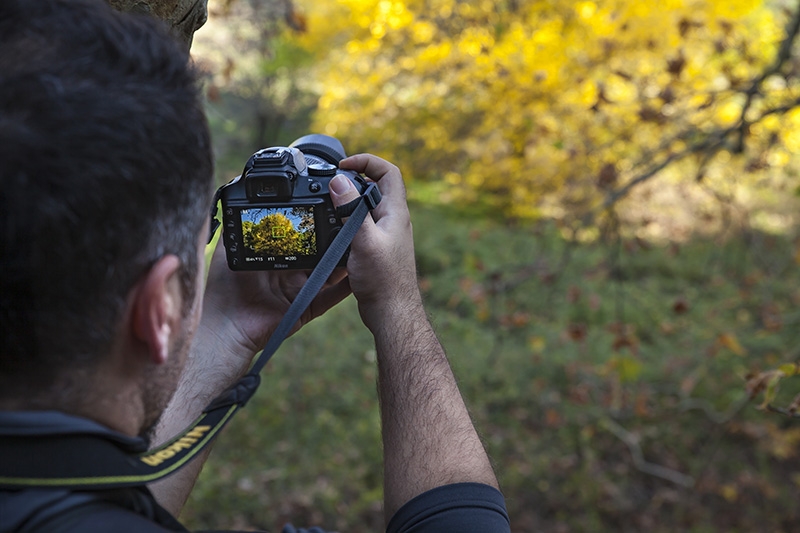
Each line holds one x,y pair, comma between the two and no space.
786,412
784,54
716,140
632,441
719,418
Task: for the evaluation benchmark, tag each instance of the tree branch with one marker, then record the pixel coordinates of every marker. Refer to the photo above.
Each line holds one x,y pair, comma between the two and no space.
716,140
632,441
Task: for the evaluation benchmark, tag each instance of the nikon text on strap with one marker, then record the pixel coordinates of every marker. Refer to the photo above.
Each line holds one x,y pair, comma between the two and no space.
21,466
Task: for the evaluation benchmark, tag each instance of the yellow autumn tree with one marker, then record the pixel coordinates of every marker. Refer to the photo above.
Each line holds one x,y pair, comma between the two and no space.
546,107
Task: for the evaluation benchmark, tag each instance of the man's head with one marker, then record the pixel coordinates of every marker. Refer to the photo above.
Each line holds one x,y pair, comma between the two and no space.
105,181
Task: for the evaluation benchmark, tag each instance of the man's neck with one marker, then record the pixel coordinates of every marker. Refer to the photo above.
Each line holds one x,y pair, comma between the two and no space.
110,403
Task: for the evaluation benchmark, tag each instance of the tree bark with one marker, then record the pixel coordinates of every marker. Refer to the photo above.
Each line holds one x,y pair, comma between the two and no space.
184,16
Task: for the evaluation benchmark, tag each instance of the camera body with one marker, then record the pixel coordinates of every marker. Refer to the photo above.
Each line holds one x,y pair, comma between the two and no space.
278,213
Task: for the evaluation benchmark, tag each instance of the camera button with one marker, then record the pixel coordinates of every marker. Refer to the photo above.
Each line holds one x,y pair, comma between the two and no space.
314,186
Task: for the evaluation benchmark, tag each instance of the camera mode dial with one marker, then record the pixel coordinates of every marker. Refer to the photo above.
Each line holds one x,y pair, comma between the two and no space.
322,169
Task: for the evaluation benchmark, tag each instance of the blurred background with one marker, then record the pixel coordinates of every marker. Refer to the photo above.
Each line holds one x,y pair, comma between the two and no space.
605,204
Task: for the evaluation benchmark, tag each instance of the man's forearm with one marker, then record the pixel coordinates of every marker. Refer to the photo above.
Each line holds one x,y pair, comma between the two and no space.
428,436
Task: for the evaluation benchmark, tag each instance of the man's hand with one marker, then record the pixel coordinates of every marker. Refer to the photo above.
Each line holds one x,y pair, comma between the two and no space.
242,309
381,266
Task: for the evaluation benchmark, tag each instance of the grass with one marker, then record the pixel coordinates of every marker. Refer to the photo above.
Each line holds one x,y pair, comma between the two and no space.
607,379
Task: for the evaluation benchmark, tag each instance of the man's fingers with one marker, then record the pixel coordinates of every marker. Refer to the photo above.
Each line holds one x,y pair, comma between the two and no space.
328,297
388,177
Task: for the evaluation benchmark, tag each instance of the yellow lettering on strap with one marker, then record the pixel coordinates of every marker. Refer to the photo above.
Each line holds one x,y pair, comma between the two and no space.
184,443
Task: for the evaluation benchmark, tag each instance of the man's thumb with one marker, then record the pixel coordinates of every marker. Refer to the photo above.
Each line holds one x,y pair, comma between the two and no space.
342,190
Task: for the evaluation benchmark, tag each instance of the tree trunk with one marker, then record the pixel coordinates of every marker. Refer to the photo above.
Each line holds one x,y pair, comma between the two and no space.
184,16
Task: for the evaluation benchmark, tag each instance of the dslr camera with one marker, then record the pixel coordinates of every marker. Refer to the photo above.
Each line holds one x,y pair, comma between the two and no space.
278,214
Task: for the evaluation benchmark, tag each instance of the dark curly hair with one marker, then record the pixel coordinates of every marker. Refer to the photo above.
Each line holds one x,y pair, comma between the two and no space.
105,166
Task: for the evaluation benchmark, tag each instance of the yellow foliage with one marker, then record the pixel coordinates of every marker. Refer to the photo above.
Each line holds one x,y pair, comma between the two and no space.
523,101
729,341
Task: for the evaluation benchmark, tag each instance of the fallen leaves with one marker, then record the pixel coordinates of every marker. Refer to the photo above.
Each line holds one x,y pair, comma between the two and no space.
729,341
768,382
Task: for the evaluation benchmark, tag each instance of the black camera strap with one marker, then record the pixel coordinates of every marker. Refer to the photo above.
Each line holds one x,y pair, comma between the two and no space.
84,461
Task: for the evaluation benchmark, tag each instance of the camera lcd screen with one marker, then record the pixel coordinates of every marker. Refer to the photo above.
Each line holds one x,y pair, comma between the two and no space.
279,233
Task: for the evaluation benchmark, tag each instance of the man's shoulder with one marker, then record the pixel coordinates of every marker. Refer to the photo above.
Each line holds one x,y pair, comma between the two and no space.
62,511
34,444
101,515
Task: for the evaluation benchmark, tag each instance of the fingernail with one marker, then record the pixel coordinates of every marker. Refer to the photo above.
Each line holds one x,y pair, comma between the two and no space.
340,185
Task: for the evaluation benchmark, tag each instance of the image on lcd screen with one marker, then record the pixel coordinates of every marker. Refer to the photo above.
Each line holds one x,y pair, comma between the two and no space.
279,231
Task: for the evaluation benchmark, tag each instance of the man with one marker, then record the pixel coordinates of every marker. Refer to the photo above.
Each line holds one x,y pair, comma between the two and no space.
107,332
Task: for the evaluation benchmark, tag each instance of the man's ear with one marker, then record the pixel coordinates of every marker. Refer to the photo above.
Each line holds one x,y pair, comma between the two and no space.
157,307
